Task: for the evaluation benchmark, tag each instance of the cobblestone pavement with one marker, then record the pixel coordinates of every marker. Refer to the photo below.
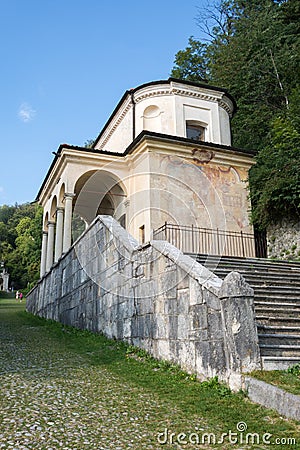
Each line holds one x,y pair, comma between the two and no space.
51,398
54,396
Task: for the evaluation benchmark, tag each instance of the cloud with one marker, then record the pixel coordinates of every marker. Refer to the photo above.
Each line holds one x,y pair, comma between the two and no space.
26,113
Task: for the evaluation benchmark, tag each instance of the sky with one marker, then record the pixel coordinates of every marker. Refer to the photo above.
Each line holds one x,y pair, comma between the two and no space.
65,64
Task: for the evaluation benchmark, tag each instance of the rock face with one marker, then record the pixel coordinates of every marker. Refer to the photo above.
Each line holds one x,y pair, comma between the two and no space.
284,240
154,297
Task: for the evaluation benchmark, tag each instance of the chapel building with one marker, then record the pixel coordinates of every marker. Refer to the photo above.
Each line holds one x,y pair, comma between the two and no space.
163,166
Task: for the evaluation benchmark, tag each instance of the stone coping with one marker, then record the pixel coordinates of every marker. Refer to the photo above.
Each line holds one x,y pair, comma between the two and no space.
273,397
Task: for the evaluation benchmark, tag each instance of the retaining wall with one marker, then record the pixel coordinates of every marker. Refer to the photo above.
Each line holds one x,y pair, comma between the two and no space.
154,297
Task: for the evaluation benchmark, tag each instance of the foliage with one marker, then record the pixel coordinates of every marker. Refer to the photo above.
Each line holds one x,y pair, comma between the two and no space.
252,51
275,179
191,64
20,242
294,370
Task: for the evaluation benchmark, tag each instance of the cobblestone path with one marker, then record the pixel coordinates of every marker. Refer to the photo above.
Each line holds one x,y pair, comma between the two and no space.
52,398
55,396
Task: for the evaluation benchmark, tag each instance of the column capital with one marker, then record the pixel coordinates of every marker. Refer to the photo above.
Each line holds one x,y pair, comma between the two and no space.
69,195
51,223
60,209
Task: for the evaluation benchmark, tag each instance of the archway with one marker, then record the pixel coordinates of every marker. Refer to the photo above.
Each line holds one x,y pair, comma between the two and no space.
99,192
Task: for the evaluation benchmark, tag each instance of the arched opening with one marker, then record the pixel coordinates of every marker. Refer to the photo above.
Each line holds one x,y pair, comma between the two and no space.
106,207
45,223
61,195
53,209
99,193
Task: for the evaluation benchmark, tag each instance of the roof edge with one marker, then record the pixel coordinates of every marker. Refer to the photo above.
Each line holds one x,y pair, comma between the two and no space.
157,82
143,135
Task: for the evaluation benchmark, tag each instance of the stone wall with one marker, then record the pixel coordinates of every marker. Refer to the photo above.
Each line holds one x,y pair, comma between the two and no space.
284,240
154,297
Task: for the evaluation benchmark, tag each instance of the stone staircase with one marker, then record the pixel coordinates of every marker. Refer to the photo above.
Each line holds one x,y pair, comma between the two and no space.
276,287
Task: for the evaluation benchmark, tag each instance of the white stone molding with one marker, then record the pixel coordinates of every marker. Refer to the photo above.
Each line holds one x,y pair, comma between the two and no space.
59,233
50,245
114,124
67,233
44,253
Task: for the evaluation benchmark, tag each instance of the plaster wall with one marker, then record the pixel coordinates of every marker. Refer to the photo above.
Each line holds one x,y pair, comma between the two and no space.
203,195
165,109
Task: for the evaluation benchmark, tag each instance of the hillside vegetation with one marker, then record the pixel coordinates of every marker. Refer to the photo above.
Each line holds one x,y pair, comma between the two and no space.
252,50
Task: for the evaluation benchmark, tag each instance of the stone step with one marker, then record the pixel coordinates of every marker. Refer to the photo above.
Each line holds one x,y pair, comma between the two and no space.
275,298
251,269
279,363
278,290
272,329
269,304
247,262
280,350
278,321
276,287
277,339
265,280
276,312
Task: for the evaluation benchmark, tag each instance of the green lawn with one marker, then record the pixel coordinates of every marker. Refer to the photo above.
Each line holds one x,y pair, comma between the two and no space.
289,380
63,388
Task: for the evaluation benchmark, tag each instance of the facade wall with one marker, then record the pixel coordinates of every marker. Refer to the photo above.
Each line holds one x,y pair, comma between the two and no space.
154,297
205,195
165,108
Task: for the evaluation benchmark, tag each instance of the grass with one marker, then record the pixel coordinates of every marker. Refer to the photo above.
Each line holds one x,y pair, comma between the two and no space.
72,389
289,380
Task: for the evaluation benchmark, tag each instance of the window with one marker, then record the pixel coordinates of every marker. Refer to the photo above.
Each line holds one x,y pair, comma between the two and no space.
142,234
195,132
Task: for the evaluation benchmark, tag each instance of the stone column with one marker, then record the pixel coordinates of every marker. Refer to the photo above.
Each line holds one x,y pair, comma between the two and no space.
44,253
67,239
59,233
50,245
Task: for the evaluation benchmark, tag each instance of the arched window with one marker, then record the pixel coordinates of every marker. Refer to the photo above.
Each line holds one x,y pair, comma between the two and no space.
195,131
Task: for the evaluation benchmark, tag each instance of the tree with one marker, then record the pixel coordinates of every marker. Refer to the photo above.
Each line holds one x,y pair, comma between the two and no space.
192,64
20,242
252,51
275,179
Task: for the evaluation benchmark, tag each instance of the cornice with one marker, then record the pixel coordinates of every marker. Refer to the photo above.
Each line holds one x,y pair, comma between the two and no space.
227,106
119,116
138,97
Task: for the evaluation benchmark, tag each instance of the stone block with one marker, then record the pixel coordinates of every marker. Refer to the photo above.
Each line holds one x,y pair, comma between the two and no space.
215,326
183,327
170,306
163,349
196,292
172,331
198,317
183,300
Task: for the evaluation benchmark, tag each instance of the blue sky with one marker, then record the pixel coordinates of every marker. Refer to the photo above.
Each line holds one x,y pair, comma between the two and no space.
66,64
